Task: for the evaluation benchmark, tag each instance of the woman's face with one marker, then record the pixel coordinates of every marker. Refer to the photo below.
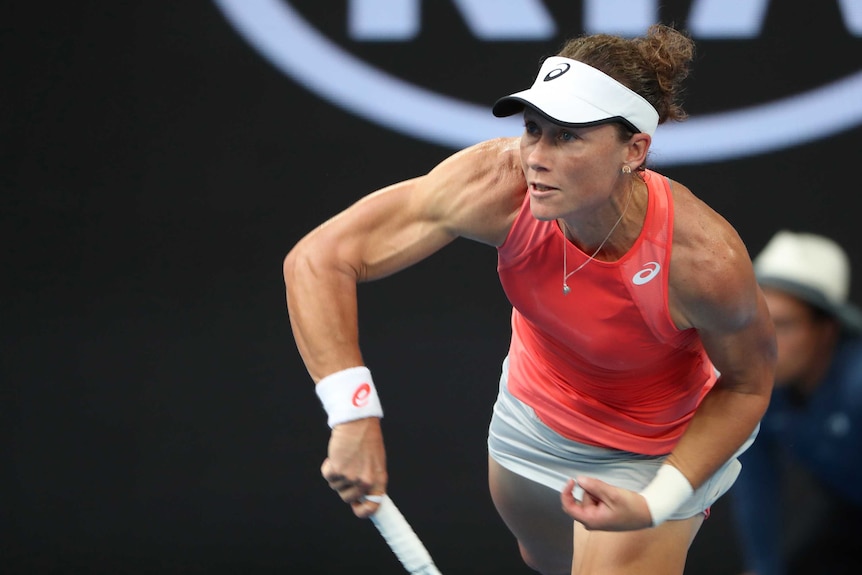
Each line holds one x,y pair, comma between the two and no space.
570,170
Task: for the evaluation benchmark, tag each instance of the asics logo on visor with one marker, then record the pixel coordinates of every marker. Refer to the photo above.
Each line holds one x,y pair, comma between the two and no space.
650,270
557,72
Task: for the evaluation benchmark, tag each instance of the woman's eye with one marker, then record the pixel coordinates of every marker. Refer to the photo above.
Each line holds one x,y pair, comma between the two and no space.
566,136
531,127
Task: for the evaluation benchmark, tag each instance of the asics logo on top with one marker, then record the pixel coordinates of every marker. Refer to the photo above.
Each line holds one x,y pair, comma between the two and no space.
645,275
292,44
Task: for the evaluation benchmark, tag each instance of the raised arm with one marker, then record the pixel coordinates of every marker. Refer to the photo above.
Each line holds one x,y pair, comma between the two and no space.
474,193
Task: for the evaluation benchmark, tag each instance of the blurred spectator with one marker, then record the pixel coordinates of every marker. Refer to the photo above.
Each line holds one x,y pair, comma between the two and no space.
798,499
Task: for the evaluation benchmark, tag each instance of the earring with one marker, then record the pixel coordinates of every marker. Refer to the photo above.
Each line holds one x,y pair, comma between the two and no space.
627,169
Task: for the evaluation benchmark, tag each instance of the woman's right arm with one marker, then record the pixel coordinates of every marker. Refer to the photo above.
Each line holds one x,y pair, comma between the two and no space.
475,193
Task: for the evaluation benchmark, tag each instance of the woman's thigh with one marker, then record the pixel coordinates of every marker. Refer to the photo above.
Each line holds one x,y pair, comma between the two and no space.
535,516
661,549
545,534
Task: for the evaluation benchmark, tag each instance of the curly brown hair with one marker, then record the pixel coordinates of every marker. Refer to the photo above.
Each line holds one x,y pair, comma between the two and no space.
653,65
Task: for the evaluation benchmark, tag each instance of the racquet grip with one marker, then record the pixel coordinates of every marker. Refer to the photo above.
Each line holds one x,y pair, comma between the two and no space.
402,539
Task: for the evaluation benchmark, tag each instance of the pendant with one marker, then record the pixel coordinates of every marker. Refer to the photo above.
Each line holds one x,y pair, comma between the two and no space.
566,289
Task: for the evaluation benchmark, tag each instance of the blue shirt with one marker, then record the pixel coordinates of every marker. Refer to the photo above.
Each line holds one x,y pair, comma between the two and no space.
822,433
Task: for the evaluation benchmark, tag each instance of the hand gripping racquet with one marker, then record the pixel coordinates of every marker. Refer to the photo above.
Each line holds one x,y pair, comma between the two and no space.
401,538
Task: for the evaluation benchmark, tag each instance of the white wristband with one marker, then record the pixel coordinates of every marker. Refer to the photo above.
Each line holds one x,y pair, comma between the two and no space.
668,490
348,394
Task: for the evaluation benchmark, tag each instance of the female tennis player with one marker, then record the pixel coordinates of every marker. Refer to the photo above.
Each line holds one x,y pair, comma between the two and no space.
642,352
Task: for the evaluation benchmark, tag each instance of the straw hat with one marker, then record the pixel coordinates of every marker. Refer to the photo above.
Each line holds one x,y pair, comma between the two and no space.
813,268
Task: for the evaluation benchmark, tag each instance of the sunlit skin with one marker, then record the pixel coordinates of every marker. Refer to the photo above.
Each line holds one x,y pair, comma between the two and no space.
805,340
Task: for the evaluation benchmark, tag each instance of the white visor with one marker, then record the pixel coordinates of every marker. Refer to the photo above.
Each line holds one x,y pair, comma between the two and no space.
569,92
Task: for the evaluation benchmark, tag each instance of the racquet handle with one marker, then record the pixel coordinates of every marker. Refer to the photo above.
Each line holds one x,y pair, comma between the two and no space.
402,539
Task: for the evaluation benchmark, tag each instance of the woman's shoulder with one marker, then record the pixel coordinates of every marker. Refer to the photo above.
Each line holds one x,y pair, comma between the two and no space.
710,265
481,188
498,156
701,235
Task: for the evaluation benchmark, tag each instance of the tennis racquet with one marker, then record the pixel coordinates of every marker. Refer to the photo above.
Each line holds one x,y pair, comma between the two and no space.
401,538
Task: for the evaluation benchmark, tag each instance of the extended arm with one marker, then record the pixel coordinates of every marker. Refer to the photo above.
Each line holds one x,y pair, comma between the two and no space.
473,194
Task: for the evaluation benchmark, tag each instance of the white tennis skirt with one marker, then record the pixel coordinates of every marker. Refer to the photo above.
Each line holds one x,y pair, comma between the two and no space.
520,442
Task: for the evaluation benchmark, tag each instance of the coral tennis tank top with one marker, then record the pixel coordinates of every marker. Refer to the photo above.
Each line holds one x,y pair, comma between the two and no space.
603,365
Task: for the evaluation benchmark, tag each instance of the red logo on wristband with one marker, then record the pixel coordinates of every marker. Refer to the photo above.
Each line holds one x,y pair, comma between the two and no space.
361,395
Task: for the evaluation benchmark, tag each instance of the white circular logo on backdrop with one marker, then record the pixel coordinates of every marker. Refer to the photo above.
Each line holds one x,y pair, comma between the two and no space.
298,49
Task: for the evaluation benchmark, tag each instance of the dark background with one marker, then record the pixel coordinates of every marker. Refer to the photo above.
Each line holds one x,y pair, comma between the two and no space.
155,171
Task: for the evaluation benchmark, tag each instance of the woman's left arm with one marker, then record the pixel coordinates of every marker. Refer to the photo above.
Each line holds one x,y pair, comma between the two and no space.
712,289
744,355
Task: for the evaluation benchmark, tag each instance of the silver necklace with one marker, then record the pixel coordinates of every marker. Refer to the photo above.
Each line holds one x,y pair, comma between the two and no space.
566,276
